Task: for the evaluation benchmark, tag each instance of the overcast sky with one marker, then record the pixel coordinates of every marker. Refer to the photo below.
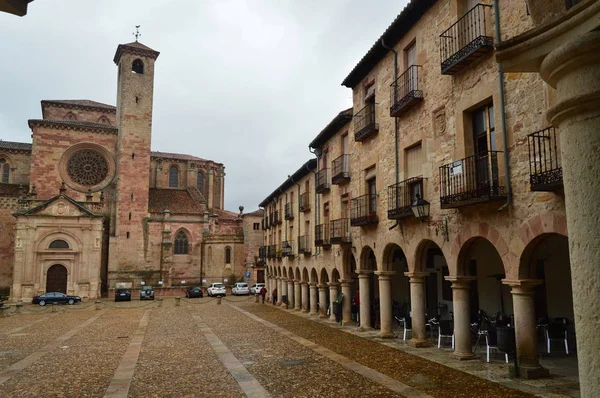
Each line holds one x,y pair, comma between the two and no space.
248,83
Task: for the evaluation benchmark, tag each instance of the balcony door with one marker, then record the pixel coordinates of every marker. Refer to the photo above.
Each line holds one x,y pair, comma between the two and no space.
372,191
484,146
411,73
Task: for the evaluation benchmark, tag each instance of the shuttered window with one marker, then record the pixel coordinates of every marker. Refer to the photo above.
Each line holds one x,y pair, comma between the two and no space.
414,161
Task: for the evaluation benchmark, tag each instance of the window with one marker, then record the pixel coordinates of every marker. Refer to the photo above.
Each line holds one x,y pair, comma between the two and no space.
413,167
411,55
103,120
181,245
228,255
5,171
173,177
256,226
137,66
200,182
484,135
372,190
59,244
70,116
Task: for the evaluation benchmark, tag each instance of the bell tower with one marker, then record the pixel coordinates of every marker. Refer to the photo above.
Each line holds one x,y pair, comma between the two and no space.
135,88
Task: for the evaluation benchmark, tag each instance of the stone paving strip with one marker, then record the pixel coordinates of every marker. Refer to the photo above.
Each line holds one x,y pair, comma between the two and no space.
282,366
14,369
82,365
426,376
247,382
177,361
377,377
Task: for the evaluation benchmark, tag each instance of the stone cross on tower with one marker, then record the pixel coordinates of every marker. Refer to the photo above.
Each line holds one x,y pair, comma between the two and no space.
137,32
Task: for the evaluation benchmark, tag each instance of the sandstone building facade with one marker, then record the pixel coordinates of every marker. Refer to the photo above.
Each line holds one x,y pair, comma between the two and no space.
87,206
439,193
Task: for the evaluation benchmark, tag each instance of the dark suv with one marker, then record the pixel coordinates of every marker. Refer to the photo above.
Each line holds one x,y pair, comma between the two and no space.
122,295
147,293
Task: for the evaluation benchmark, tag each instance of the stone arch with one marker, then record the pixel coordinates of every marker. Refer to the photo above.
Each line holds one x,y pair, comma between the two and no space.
285,273
57,276
174,176
335,275
368,261
182,241
324,277
137,66
305,277
297,275
527,270
73,240
468,233
390,252
314,277
70,116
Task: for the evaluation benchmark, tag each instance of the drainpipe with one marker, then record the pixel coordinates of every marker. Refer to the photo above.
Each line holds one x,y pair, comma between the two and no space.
395,120
502,110
317,218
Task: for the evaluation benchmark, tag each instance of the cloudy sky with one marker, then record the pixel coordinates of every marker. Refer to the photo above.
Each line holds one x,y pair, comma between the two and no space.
248,83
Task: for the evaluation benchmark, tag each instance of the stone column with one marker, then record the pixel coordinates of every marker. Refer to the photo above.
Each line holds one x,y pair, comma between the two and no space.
347,303
322,301
284,291
385,303
365,300
306,301
523,293
291,293
333,295
314,299
417,302
461,295
279,289
297,296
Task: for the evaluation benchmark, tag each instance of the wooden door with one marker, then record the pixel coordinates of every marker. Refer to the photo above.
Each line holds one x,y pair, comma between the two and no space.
56,279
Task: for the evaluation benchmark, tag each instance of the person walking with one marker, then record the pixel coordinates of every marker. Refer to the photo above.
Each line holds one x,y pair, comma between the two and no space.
263,293
274,295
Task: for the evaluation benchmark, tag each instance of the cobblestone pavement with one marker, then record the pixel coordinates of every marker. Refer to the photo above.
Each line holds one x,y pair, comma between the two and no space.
201,349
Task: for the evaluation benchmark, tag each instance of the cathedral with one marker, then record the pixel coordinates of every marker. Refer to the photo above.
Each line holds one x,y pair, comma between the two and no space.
87,207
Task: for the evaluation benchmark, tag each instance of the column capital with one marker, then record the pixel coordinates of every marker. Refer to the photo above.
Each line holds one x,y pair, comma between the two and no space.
522,283
363,272
310,284
322,287
345,282
460,282
333,284
415,275
385,273
297,282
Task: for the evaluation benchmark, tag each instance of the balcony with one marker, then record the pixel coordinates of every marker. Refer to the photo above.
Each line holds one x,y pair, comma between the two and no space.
287,249
401,196
340,170
340,231
471,180
265,223
304,244
363,211
270,222
304,204
271,251
467,40
276,219
289,211
322,235
262,252
322,182
364,123
406,91
545,169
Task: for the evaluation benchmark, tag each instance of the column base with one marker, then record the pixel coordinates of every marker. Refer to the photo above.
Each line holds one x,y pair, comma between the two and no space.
467,356
386,335
419,343
365,329
348,323
297,309
323,316
525,372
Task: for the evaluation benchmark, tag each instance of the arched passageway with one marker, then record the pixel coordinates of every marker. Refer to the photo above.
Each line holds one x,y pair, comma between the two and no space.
394,289
56,279
368,289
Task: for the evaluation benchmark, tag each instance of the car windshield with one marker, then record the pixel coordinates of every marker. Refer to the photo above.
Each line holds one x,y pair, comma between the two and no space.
218,285
242,285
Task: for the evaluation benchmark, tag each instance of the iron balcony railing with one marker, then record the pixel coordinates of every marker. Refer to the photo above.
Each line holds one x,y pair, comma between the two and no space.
406,91
365,125
340,231
340,170
545,169
265,223
304,244
270,218
471,180
262,252
271,251
287,248
304,204
401,197
289,211
276,219
322,235
467,40
322,181
363,210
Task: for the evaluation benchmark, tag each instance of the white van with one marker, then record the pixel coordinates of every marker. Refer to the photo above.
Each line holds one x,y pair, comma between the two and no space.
240,289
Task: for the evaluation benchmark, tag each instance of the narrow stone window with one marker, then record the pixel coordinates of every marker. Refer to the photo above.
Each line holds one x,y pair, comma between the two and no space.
200,182
228,255
127,234
5,171
137,66
181,244
173,177
129,216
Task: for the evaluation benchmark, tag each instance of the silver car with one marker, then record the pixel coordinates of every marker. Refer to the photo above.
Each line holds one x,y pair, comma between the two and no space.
240,289
216,289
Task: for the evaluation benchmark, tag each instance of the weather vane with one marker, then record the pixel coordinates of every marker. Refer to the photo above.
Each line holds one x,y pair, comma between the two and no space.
137,32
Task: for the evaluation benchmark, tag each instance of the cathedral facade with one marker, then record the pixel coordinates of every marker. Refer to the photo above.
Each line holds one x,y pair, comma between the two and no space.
87,207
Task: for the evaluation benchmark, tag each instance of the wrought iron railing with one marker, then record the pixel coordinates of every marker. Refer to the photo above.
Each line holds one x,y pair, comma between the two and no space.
276,219
340,231
364,123
271,220
340,169
271,251
363,210
265,223
545,169
322,235
466,40
322,181
287,248
304,246
304,203
405,92
262,252
474,179
289,211
401,197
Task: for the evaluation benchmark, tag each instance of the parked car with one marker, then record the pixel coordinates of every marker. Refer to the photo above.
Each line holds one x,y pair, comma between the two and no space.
122,295
216,289
147,293
194,292
255,289
240,289
55,297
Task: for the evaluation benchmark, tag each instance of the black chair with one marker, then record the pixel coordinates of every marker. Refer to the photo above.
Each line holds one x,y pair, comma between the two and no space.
407,327
558,330
445,330
491,341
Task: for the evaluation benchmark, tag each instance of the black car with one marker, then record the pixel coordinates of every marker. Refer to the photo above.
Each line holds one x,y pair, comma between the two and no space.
122,295
147,293
55,297
194,292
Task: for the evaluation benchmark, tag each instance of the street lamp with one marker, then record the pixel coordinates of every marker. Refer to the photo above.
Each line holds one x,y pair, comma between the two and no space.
420,208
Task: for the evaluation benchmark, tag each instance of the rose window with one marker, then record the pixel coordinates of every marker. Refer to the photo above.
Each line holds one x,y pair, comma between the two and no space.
87,167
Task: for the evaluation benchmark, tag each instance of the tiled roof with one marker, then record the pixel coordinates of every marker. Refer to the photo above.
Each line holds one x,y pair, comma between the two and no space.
10,189
256,213
73,125
17,146
177,201
409,16
299,174
226,214
80,104
136,48
177,156
329,131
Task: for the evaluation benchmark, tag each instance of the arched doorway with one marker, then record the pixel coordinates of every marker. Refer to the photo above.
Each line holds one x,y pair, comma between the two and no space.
368,289
56,279
395,261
